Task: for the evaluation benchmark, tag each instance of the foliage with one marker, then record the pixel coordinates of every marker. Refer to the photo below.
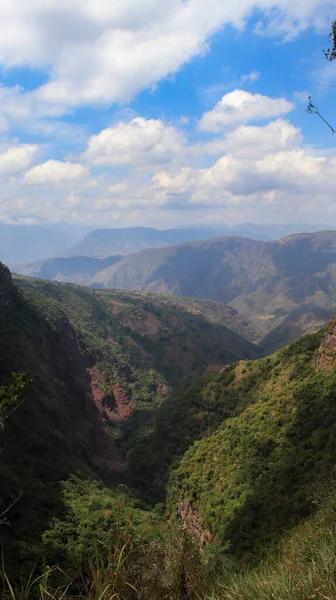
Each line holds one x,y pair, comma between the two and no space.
11,395
252,478
330,53
109,548
239,449
75,342
302,568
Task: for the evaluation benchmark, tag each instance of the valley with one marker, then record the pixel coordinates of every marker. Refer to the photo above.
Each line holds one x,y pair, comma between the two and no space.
167,300
146,411
283,289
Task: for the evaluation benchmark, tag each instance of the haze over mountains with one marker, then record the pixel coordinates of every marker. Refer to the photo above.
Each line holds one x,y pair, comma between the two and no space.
284,288
104,242
30,243
27,243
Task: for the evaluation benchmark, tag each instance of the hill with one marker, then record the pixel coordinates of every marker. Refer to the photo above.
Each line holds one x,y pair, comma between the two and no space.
141,479
284,289
76,269
243,451
271,283
92,357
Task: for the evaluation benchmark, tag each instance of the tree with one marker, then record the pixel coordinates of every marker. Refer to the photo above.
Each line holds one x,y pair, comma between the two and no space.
11,396
330,55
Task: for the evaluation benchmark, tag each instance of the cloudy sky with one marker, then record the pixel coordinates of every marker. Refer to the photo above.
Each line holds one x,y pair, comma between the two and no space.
144,112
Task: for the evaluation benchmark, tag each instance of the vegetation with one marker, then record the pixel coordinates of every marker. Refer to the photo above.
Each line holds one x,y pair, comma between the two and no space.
285,287
11,396
330,53
92,357
210,487
254,476
303,568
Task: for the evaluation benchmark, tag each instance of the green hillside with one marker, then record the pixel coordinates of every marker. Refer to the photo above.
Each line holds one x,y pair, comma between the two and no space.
255,475
92,356
139,477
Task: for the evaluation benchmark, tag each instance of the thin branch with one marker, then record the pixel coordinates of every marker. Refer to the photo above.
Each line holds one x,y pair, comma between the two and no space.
313,110
326,85
14,501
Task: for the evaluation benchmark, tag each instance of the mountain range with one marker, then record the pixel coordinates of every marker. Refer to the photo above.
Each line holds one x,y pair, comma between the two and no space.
32,243
283,289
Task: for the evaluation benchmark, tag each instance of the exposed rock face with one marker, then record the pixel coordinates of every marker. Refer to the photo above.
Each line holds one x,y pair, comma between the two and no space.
72,366
327,351
193,522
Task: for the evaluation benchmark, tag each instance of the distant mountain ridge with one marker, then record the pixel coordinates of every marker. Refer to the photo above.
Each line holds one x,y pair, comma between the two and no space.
291,281
32,243
76,269
107,242
283,288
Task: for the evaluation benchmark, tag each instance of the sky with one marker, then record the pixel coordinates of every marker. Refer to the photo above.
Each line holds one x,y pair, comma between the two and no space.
175,113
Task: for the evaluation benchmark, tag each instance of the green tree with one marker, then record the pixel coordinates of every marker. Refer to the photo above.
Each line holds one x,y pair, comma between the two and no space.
12,396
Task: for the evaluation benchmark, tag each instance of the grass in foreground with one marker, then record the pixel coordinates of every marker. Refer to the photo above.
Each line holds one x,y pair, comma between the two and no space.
304,569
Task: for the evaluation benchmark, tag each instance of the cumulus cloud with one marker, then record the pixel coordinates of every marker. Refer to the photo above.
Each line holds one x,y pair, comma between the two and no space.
240,106
102,52
139,142
55,172
249,140
17,158
262,169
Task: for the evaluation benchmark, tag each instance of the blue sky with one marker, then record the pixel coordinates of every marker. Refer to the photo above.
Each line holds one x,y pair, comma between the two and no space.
165,114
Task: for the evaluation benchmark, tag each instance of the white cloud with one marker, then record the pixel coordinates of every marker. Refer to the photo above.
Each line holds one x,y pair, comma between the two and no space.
17,158
54,171
139,142
262,170
102,52
252,141
250,77
240,106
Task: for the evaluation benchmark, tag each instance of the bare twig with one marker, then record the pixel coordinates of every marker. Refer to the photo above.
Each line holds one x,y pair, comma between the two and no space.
4,513
313,110
326,84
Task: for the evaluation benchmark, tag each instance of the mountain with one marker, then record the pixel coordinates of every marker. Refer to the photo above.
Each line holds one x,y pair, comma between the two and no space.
268,282
139,477
284,289
77,269
28,243
243,451
92,356
107,242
